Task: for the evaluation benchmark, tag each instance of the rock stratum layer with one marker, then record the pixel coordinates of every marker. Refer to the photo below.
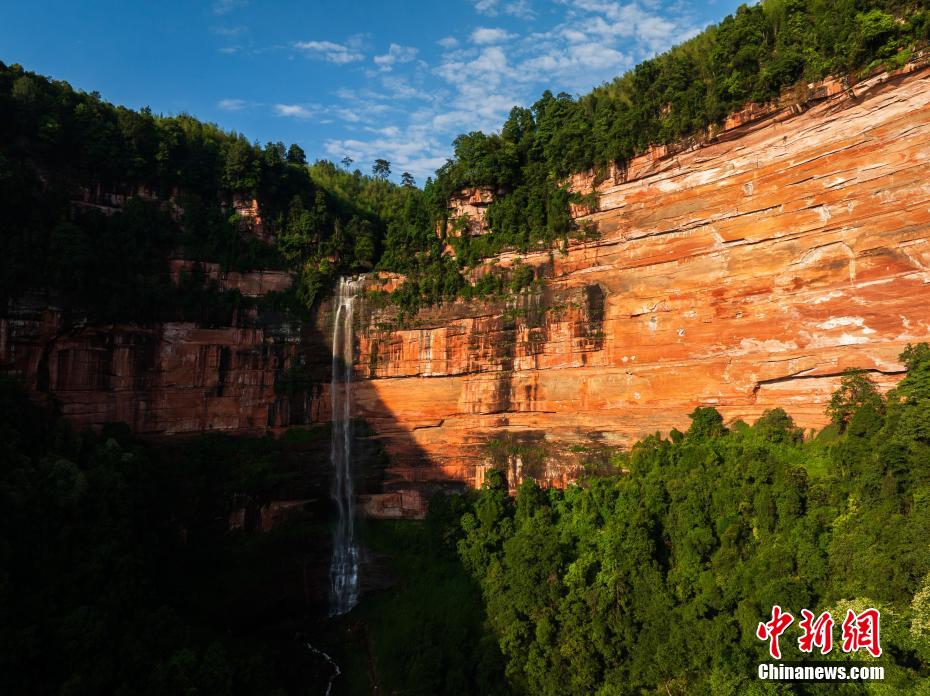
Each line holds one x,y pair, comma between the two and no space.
745,274
164,378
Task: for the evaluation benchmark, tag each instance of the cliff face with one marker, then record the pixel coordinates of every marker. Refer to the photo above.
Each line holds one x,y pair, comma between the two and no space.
467,210
745,274
171,377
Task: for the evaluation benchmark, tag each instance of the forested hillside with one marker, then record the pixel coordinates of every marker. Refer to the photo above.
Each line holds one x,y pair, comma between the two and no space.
325,221
67,155
129,566
750,56
62,145
648,576
654,580
118,573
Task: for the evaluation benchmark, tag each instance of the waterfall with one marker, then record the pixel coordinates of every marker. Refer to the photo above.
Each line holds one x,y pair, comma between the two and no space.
343,570
330,661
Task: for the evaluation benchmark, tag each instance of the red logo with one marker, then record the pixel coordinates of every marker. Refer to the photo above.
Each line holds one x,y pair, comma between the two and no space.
817,633
771,630
860,631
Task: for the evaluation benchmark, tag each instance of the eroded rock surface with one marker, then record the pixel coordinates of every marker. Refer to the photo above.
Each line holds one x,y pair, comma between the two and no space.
745,274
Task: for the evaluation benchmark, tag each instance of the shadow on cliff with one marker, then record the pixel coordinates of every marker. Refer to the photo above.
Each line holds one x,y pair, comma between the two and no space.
266,577
385,487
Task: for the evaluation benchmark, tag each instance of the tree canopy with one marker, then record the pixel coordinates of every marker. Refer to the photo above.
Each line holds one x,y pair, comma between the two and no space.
655,581
63,147
750,56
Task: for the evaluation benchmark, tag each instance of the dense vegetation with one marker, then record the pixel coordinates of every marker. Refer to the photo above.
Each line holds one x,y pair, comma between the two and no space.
750,56
105,196
117,571
62,146
651,575
179,178
118,574
654,581
427,634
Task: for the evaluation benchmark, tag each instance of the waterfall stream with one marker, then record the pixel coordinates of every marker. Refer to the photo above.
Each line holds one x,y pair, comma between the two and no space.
343,570
330,661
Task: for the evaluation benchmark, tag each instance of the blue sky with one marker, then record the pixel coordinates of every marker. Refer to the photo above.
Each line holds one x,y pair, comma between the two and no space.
365,79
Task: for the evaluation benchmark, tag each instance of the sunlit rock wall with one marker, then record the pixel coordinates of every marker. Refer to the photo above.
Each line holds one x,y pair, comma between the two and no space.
744,274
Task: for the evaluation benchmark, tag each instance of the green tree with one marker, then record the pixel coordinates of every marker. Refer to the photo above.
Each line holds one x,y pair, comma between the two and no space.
706,423
381,169
856,390
296,154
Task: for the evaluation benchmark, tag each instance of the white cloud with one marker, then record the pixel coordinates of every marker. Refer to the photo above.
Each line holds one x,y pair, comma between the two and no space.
653,32
409,111
364,106
574,35
452,119
349,115
389,131
222,7
232,104
398,88
514,8
396,54
293,111
485,87
575,61
330,51
407,151
484,72
485,35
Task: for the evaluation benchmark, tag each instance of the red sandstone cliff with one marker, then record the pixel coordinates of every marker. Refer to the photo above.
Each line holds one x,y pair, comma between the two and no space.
467,210
745,274
170,377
